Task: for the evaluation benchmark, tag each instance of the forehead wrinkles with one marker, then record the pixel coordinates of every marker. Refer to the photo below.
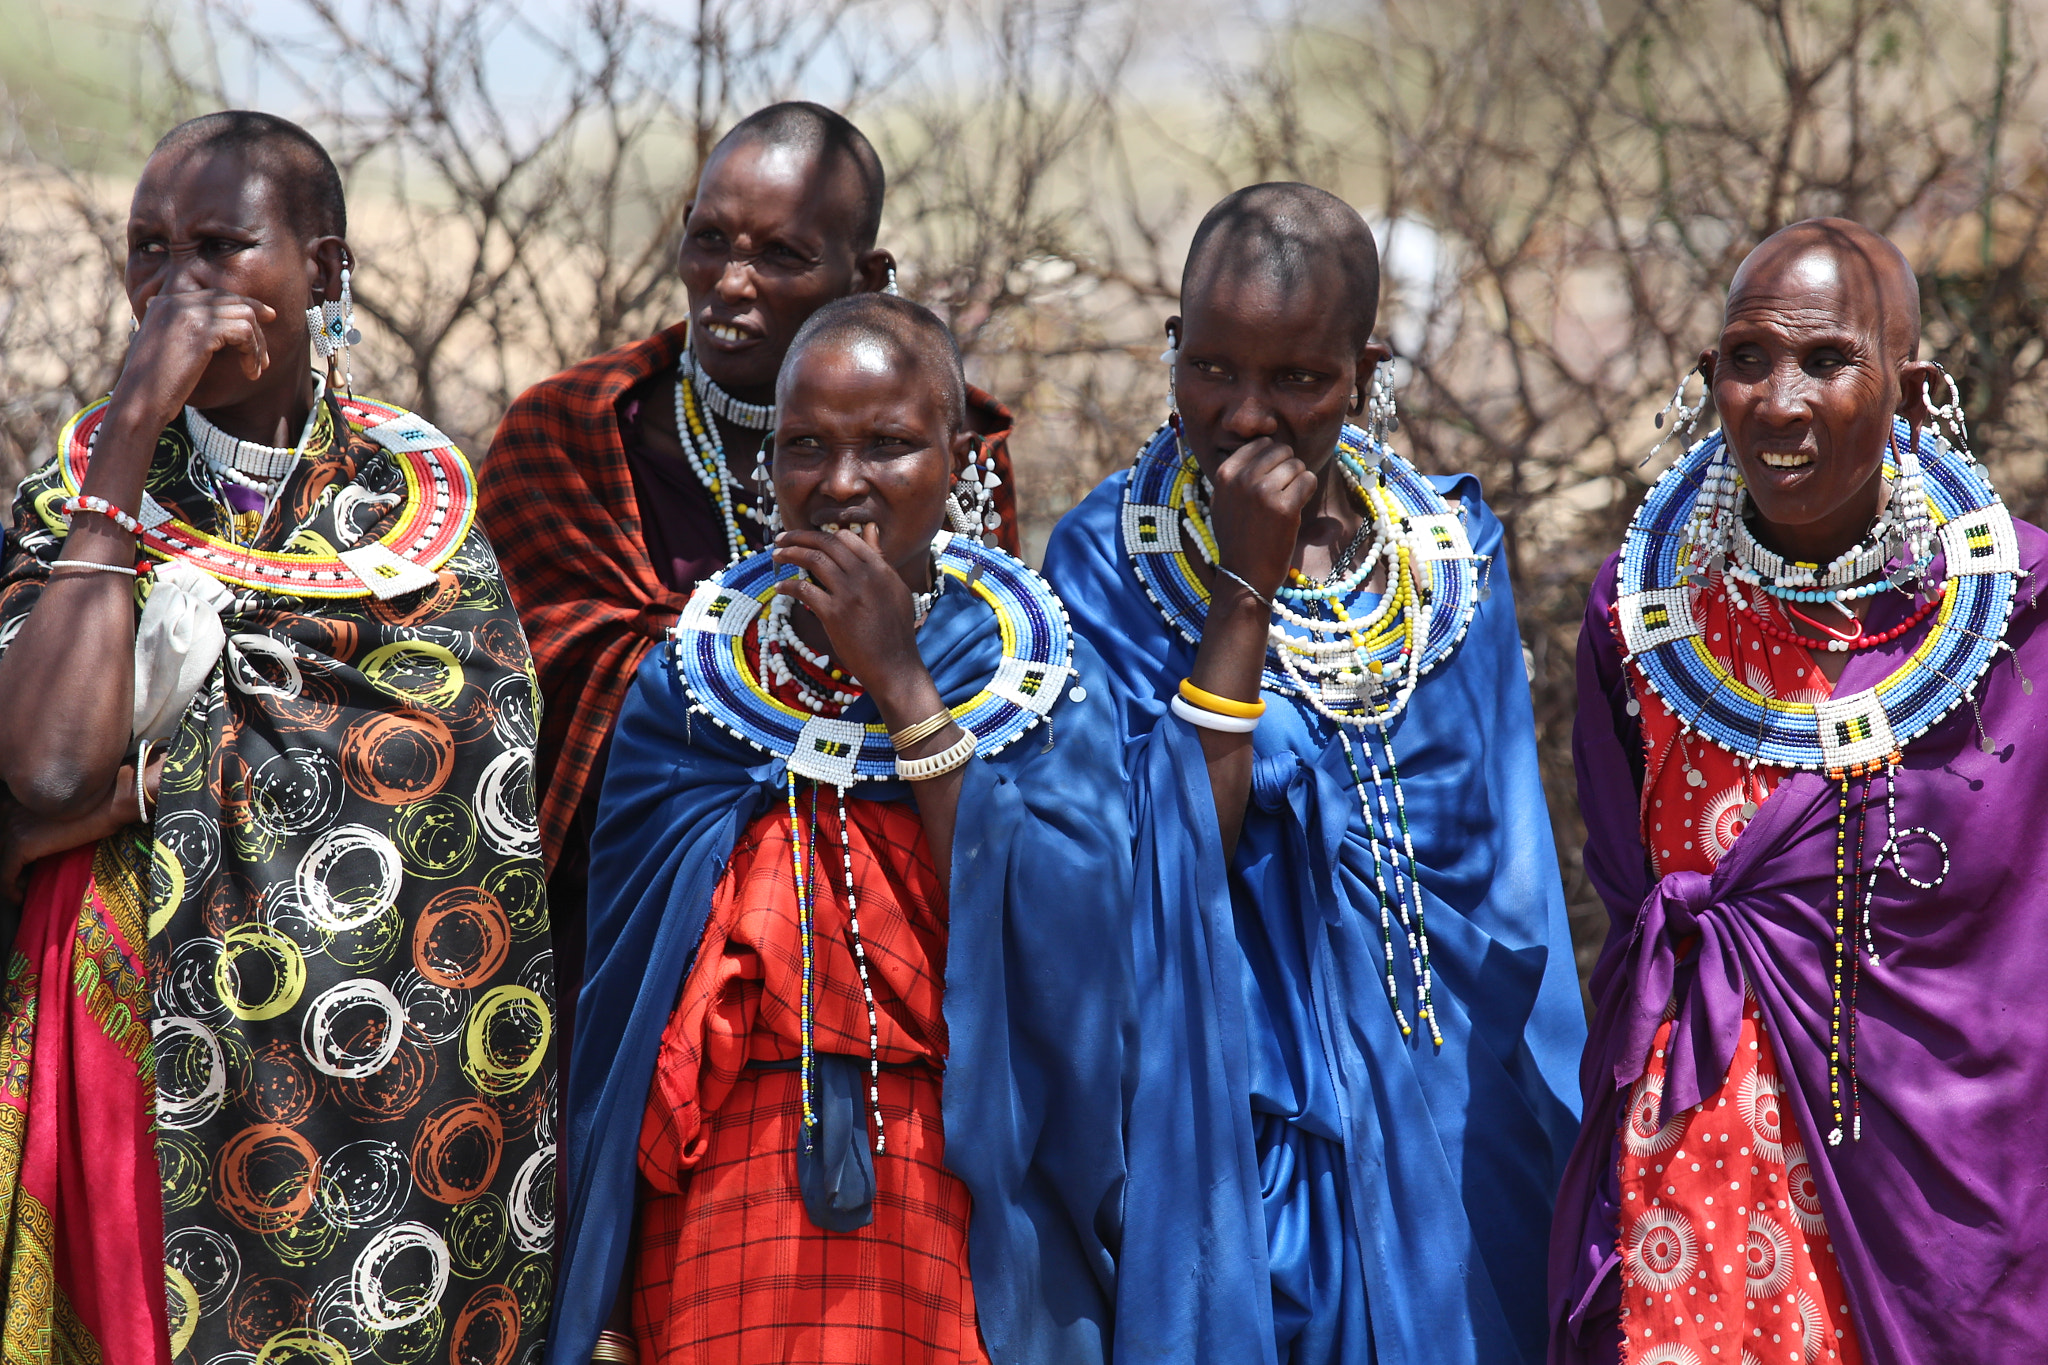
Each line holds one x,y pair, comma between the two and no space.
1812,289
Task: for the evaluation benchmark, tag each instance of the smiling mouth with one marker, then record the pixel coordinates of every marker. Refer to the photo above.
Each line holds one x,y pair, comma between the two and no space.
1791,459
727,333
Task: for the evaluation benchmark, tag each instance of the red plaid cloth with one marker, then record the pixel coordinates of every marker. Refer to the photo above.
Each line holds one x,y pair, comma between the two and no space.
730,1268
557,501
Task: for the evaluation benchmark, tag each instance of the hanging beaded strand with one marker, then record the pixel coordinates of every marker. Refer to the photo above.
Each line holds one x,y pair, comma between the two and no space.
705,451
806,1031
860,961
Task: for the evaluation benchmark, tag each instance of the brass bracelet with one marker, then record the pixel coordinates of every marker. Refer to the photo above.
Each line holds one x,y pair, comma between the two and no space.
617,1347
924,729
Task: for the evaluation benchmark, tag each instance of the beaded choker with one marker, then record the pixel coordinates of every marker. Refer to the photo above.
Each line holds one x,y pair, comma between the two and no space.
753,416
709,658
251,459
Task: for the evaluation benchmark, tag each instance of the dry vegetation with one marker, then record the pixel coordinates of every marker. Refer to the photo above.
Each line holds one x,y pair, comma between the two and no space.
1562,189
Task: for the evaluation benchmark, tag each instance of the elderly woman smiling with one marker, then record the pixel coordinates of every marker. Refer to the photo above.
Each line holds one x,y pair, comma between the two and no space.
1805,739
854,924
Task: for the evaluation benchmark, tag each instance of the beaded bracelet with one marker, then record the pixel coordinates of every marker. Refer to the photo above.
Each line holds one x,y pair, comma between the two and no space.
939,764
924,729
1210,720
94,566
87,502
1222,706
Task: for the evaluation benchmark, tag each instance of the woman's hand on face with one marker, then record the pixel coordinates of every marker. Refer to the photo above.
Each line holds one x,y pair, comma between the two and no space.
179,337
859,599
1262,489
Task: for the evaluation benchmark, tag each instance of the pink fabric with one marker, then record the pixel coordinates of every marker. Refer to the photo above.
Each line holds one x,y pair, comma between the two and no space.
85,1201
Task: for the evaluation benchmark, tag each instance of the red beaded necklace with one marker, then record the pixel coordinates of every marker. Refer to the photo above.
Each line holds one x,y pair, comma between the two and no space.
1849,646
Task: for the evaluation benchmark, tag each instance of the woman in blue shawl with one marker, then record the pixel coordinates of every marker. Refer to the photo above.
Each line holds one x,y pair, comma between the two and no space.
1359,1016
823,1026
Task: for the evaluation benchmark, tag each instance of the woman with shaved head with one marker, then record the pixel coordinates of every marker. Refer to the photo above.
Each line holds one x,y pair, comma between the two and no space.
275,1059
1360,1010
1809,758
856,1092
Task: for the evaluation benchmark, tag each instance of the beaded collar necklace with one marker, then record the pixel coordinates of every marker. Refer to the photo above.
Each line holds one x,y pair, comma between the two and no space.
439,508
1037,659
711,662
1673,553
705,451
1353,670
1358,672
1845,734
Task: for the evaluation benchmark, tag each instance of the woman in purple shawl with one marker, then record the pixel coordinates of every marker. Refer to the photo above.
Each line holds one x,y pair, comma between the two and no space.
1806,770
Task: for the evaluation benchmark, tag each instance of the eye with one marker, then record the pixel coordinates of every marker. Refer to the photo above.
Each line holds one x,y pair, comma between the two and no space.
148,246
223,246
1208,367
708,239
1301,377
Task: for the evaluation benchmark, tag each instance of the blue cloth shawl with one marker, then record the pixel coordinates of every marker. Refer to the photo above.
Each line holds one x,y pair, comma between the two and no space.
1038,1003
1358,1196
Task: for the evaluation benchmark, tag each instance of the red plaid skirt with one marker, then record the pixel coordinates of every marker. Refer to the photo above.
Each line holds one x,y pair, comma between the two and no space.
730,1268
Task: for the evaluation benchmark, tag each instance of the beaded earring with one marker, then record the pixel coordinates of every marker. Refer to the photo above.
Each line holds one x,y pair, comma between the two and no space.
332,326
1909,506
1687,416
1382,416
970,507
764,486
890,287
1948,415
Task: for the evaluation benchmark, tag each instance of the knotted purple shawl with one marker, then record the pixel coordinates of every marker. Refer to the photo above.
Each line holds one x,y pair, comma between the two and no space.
1939,1215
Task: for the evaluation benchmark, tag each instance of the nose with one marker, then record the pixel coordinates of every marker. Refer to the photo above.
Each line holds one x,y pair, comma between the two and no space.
844,479
1783,400
1249,417
736,281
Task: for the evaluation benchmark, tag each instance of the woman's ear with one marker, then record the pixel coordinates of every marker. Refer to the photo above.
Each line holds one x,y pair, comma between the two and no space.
1371,356
966,448
1917,380
874,272
326,258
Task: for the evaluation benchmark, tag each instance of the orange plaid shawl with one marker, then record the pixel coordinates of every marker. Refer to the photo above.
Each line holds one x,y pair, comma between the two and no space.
558,502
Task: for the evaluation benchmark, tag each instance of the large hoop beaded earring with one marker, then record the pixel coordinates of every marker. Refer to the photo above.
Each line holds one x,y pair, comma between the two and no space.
1382,415
970,506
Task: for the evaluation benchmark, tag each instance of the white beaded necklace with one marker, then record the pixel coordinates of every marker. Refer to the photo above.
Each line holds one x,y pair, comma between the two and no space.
779,639
753,416
705,452
251,463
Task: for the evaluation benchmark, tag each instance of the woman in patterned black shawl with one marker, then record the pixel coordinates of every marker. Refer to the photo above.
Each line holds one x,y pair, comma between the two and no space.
275,1027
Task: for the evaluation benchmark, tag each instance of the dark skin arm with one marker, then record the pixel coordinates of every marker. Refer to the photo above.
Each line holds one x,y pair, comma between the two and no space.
865,608
1261,492
66,682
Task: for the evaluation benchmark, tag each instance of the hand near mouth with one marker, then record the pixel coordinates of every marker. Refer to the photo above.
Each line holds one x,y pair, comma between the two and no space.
865,608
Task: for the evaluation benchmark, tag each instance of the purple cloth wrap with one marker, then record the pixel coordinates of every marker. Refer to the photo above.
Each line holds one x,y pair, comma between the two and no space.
1939,1214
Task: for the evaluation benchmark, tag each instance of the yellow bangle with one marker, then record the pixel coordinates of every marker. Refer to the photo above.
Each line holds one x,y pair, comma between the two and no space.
1222,706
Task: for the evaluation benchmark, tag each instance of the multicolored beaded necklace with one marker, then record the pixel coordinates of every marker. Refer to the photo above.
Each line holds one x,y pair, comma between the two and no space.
705,451
1358,671
1680,544
819,745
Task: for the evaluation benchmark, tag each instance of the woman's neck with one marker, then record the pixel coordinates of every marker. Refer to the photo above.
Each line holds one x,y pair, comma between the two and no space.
274,417
1829,538
1329,523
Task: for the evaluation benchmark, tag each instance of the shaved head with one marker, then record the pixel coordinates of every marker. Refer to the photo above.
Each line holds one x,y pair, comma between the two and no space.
1306,243
900,335
290,157
1843,260
829,139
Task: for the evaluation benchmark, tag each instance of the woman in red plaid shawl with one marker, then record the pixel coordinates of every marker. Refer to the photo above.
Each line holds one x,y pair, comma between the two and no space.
612,488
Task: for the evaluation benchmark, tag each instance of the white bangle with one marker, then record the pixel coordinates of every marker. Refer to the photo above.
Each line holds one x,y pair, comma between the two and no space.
940,763
1210,720
141,785
93,565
